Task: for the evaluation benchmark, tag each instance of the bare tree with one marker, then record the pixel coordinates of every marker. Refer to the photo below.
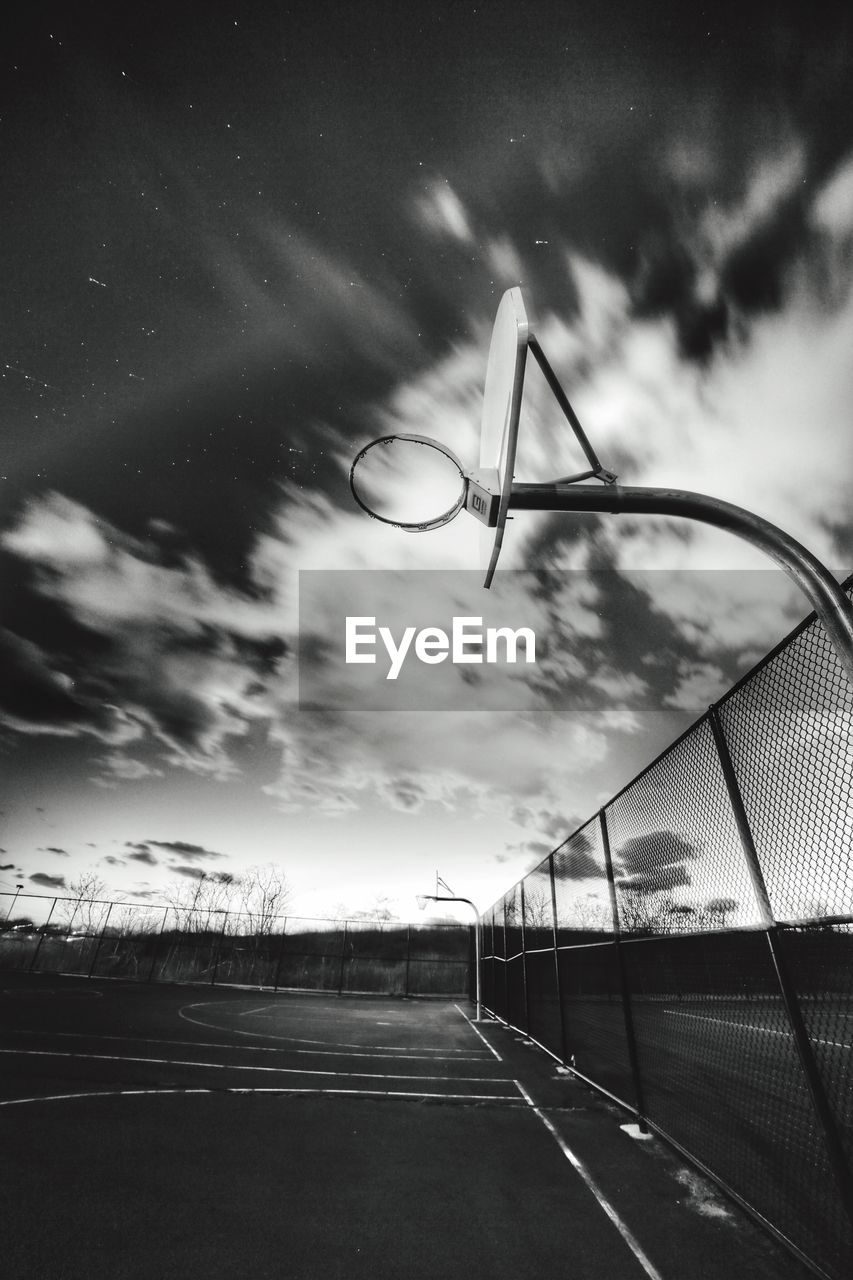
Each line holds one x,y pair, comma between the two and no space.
588,912
264,894
194,901
89,891
648,910
537,909
380,912
718,911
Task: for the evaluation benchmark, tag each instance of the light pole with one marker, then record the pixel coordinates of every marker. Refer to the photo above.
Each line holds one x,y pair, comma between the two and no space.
424,898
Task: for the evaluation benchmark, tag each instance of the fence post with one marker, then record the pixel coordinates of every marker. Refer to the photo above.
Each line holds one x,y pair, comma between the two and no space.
408,958
799,1032
627,1011
280,955
343,959
506,962
218,947
524,988
100,940
41,937
564,1048
156,947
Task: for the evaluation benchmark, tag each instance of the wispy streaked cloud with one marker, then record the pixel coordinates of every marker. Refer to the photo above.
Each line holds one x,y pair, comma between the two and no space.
441,211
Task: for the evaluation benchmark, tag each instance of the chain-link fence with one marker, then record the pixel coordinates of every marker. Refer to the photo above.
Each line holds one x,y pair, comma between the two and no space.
689,951
176,944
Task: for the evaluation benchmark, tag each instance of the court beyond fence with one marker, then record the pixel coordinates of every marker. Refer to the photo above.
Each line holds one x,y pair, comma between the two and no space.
689,951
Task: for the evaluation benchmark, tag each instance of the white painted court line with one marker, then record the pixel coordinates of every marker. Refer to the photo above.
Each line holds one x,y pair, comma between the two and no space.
228,1066
474,1027
430,1056
582,1171
96,1093
748,1026
282,1092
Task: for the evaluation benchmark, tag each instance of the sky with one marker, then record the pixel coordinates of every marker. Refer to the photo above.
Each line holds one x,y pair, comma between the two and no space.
241,241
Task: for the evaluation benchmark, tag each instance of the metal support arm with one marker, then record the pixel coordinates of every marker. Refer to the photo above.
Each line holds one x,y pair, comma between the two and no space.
825,595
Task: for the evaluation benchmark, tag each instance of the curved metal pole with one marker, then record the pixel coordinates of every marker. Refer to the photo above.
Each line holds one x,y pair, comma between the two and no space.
433,897
825,595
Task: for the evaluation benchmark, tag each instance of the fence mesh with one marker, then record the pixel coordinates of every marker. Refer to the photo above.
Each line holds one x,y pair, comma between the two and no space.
689,951
174,944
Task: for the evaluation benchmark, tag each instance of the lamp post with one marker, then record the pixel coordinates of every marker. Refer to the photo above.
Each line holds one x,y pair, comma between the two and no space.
424,898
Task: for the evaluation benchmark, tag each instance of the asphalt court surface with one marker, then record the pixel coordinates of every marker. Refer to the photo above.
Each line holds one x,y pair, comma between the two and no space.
206,1132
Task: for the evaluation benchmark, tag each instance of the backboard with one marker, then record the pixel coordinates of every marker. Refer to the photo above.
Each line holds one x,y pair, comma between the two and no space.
489,490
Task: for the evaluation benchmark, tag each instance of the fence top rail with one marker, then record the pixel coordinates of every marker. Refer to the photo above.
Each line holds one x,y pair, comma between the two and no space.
288,917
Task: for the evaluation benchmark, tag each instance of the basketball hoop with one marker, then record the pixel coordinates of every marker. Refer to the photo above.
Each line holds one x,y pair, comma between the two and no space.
421,899
396,474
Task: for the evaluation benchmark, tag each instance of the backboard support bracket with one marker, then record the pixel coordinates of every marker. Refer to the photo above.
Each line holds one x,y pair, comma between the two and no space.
596,471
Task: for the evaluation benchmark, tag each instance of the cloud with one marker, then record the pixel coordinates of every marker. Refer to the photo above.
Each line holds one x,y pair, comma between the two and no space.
699,684
576,862
38,694
61,853
143,854
116,768
763,424
184,660
441,212
191,852
653,862
195,873
505,261
832,210
47,881
189,667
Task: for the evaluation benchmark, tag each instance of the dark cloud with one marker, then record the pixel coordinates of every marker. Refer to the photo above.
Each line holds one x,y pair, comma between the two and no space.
573,863
41,692
666,285
191,852
60,853
405,794
753,275
575,859
49,882
192,873
195,873
112,861
537,848
655,879
141,854
654,862
7,866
